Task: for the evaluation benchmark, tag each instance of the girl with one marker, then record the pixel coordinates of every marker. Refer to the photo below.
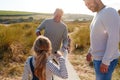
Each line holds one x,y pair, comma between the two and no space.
39,66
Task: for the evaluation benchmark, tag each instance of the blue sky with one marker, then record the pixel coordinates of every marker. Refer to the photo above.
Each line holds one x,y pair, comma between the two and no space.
48,6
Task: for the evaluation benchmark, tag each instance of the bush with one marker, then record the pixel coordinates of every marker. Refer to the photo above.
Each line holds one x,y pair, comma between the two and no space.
80,38
16,39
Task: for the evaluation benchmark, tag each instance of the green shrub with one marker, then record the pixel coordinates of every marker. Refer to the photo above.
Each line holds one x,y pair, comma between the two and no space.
16,34
80,38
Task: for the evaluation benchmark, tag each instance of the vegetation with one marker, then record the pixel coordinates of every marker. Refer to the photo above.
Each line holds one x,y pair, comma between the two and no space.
16,41
15,13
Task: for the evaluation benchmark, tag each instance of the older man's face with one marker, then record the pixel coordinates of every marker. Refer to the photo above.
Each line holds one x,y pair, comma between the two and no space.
92,5
57,17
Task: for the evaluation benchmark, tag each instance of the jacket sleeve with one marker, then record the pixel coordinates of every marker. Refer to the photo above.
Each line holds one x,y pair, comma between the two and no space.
112,28
65,38
60,71
41,26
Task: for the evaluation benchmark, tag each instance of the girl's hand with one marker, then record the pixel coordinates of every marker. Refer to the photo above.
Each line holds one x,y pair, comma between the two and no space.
58,54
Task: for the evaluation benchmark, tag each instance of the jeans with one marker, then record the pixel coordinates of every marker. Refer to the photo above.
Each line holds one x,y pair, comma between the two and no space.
104,76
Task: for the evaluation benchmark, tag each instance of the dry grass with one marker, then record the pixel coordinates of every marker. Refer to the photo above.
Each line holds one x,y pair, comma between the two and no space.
82,67
86,70
11,71
15,49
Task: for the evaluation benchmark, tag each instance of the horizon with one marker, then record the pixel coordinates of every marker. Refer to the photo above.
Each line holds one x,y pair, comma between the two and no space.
44,6
43,12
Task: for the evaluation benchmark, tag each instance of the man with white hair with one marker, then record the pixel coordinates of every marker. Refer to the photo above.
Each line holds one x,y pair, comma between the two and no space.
55,30
104,39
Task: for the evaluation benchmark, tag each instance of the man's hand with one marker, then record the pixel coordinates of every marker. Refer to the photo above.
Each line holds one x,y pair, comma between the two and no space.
68,49
89,57
103,68
38,33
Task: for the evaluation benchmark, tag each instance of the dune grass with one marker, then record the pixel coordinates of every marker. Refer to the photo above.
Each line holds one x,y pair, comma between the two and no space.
16,41
15,13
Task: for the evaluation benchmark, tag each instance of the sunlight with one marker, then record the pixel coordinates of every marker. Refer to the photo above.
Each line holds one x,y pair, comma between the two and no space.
48,6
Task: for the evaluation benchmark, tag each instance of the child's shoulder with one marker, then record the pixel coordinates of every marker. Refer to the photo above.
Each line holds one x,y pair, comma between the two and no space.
28,59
